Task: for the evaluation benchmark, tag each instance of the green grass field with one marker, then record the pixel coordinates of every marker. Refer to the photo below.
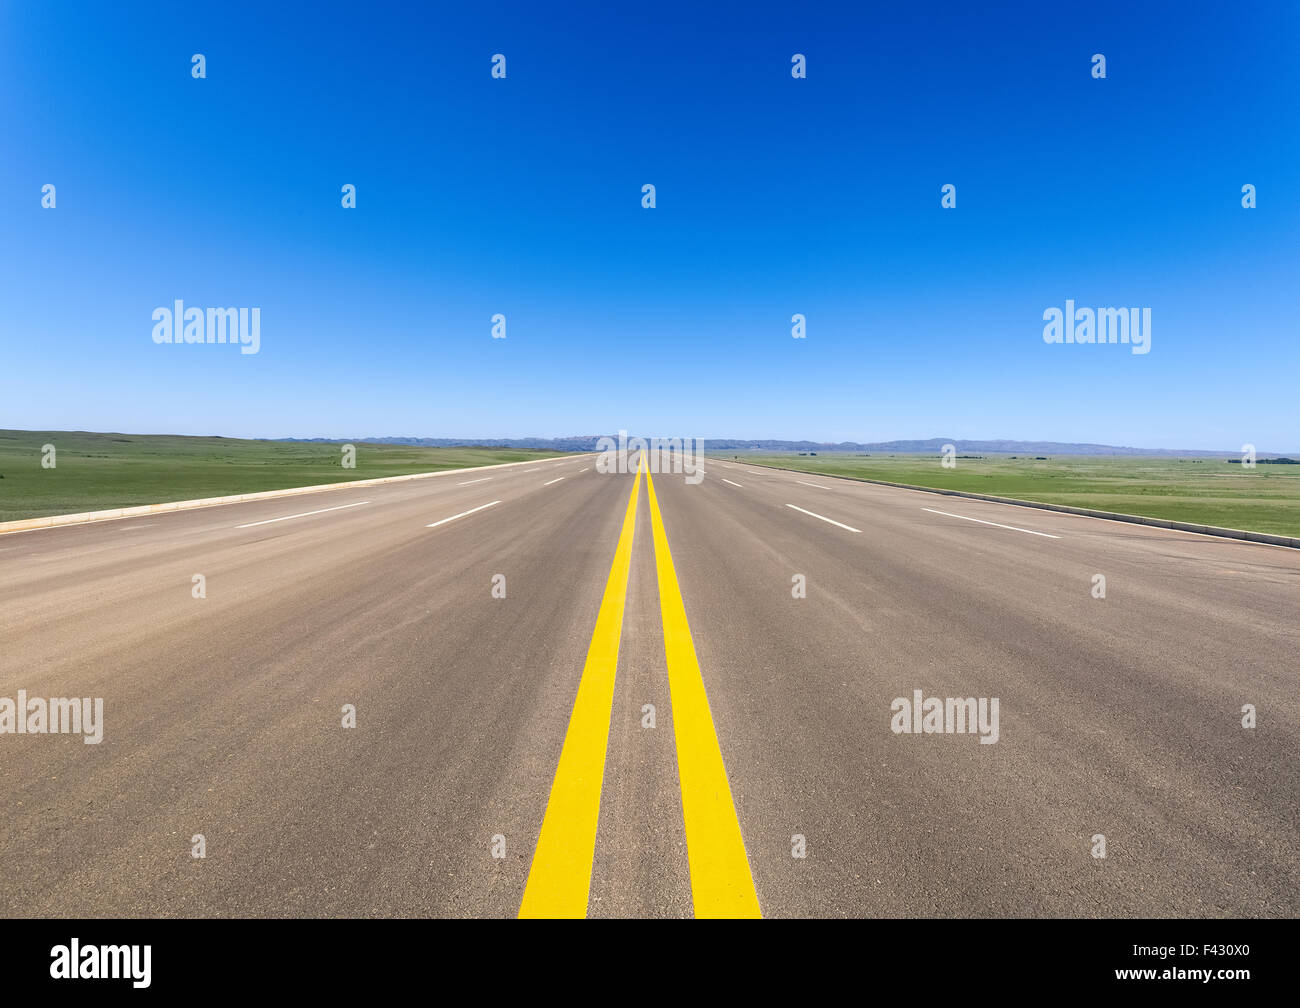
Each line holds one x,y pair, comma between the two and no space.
100,471
1202,491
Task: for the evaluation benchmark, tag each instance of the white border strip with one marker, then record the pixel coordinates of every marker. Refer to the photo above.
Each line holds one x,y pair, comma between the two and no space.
93,517
1187,528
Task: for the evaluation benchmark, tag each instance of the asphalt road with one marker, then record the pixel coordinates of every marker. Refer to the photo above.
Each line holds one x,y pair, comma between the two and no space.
1118,717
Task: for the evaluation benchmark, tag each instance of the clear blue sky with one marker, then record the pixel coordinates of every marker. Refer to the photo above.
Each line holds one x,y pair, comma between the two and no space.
775,196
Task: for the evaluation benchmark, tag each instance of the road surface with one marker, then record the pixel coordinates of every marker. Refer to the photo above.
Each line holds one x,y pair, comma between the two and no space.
1119,717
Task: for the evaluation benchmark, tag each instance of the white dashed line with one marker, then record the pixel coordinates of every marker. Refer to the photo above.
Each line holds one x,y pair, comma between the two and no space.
549,482
462,514
725,480
304,514
471,482
1013,528
824,518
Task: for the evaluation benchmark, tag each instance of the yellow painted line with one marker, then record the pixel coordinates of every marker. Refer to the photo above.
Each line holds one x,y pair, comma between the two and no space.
721,883
559,880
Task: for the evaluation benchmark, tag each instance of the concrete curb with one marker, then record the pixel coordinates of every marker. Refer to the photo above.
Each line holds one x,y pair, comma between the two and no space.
87,517
1210,530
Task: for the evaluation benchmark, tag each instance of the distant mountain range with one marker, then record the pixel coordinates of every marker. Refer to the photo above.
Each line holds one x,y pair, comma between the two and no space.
587,442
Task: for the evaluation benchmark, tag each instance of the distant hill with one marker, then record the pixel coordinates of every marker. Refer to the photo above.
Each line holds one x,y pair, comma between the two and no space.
587,442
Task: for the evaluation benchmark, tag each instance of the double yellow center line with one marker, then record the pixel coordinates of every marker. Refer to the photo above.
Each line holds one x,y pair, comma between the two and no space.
560,878
721,883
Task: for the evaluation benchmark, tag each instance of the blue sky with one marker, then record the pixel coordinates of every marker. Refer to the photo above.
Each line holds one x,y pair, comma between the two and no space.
775,196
